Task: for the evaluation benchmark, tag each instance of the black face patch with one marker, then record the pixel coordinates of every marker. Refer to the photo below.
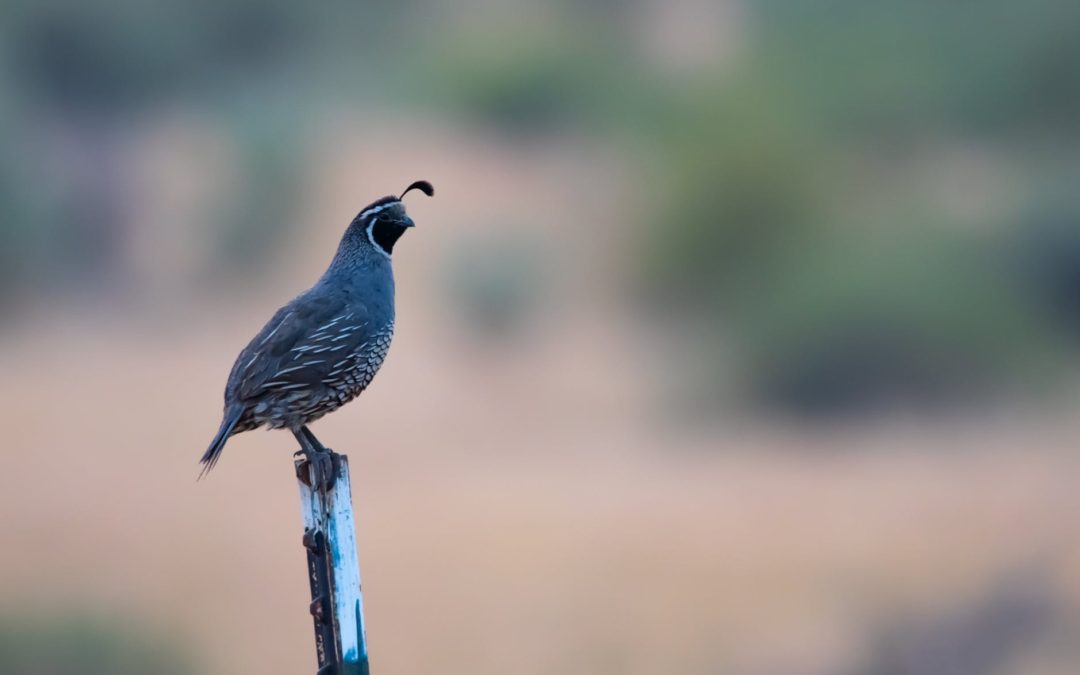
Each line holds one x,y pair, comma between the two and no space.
385,234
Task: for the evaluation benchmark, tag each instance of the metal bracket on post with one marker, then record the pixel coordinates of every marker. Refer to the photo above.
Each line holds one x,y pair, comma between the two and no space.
333,573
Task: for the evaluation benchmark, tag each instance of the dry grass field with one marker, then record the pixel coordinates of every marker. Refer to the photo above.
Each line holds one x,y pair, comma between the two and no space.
523,508
578,544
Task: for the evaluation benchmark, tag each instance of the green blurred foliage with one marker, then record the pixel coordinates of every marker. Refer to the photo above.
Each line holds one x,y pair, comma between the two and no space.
919,318
85,645
787,217
737,181
882,67
562,72
1045,255
272,162
840,289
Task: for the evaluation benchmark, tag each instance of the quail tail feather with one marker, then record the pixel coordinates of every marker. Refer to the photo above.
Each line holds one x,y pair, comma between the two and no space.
213,453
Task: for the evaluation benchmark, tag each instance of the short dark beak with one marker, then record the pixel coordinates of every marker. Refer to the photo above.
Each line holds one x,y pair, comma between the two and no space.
407,222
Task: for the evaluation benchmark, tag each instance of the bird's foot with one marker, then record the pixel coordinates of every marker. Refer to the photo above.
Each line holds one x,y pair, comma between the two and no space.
324,468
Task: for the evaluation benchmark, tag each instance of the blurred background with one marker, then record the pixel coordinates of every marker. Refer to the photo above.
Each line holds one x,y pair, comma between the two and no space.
741,335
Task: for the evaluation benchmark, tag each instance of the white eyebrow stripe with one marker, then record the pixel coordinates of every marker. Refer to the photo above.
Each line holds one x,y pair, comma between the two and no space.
376,209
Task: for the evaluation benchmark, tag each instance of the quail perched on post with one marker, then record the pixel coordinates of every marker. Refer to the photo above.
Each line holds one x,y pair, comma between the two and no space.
323,348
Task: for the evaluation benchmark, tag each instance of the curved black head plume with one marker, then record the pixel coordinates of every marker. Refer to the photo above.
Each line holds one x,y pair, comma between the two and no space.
422,186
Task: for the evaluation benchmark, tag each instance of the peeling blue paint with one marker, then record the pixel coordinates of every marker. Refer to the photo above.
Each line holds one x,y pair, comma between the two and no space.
333,514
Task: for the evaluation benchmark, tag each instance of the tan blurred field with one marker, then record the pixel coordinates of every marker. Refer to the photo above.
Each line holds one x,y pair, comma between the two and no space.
519,512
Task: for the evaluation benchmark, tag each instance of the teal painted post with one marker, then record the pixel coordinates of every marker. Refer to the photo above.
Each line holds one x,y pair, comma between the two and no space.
342,608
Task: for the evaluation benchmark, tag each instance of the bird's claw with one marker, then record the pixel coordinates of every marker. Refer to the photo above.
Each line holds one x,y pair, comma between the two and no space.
324,469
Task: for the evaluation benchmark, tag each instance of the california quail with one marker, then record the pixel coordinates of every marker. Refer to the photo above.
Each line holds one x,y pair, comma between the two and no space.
322,349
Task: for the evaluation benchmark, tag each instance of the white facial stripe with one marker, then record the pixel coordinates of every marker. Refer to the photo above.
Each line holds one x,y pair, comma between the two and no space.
375,209
371,238
371,212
